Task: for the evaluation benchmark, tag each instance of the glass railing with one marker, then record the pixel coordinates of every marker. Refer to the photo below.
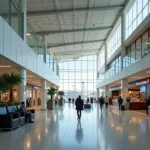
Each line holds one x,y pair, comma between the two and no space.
13,15
135,55
35,42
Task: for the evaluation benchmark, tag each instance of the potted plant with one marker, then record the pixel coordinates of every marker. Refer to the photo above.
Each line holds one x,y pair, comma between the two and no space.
51,91
11,80
3,87
61,94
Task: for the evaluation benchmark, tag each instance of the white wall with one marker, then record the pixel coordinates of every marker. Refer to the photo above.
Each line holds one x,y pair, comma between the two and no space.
13,48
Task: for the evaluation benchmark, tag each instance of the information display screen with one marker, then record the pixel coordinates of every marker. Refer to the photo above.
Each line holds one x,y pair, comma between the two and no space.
143,88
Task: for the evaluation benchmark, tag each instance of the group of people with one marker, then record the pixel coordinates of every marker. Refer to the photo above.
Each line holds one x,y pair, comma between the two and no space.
69,100
103,100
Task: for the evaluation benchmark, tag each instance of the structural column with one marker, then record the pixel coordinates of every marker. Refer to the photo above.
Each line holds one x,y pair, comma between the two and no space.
22,86
124,88
44,39
105,57
43,94
123,49
106,90
97,94
23,5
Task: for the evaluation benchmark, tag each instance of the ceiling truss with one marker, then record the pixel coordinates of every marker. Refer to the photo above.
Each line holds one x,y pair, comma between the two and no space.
73,43
53,12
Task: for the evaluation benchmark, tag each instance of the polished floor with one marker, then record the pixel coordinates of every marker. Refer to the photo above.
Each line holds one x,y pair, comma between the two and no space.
60,130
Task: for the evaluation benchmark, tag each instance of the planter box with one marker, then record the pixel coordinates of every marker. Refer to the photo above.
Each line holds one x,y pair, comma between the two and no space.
50,105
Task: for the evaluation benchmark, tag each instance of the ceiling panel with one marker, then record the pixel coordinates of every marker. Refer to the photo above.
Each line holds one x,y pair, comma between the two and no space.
71,21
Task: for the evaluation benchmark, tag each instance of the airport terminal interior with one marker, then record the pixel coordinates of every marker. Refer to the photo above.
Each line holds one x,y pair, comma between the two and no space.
52,52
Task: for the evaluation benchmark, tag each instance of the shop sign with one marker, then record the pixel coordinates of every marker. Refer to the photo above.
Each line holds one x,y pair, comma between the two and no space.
141,82
36,87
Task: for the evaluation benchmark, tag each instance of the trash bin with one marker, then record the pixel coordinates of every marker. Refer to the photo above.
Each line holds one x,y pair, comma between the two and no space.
149,110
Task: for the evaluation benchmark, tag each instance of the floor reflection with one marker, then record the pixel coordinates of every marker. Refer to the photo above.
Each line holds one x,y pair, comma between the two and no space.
79,132
60,130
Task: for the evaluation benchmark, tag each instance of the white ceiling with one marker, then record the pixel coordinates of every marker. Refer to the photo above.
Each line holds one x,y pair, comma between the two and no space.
71,21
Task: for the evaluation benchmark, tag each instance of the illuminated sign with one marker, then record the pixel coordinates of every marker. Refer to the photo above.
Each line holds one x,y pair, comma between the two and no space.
141,82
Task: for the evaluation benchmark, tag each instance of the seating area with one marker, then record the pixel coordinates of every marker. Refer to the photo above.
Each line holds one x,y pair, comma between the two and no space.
11,117
87,106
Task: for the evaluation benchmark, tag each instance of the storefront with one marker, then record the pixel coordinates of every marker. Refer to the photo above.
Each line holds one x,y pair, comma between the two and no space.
138,91
32,95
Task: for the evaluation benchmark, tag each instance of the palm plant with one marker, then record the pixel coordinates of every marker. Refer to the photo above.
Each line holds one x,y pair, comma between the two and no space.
3,86
51,91
11,80
61,94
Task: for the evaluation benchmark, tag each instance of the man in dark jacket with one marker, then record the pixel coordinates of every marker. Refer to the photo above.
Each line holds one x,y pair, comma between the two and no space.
120,101
147,104
101,102
79,106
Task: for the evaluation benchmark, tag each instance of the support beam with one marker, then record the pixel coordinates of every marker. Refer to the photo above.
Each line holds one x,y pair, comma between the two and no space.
53,12
73,43
71,31
74,52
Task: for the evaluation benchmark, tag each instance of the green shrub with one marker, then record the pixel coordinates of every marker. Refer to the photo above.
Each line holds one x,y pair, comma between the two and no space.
2,104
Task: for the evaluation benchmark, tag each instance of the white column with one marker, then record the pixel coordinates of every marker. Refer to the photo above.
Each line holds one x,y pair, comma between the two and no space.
22,86
44,39
43,94
105,57
106,91
123,49
97,94
23,5
124,88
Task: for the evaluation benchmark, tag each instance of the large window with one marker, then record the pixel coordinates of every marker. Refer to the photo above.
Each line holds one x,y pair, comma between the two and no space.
136,14
101,58
13,15
114,42
137,50
78,77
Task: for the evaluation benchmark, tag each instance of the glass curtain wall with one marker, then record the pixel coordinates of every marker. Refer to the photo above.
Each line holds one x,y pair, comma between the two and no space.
136,14
137,50
114,42
13,15
101,58
78,77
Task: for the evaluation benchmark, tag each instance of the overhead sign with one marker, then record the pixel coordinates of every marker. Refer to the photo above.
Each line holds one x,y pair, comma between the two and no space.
141,82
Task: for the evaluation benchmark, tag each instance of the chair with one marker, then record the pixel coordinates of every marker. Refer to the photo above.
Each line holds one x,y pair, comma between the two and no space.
8,121
13,110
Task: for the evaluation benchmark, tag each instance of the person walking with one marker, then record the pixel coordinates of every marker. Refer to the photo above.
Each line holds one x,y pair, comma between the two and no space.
147,104
79,107
106,102
120,101
101,102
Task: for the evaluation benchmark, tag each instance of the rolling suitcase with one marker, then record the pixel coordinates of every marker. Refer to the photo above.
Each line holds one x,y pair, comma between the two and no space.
122,108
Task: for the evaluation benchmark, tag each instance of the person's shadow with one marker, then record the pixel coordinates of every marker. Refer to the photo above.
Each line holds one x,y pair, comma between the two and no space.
79,133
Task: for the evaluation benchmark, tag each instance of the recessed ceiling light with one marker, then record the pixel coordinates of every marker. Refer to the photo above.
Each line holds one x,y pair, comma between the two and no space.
5,66
28,34
30,76
118,82
136,77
